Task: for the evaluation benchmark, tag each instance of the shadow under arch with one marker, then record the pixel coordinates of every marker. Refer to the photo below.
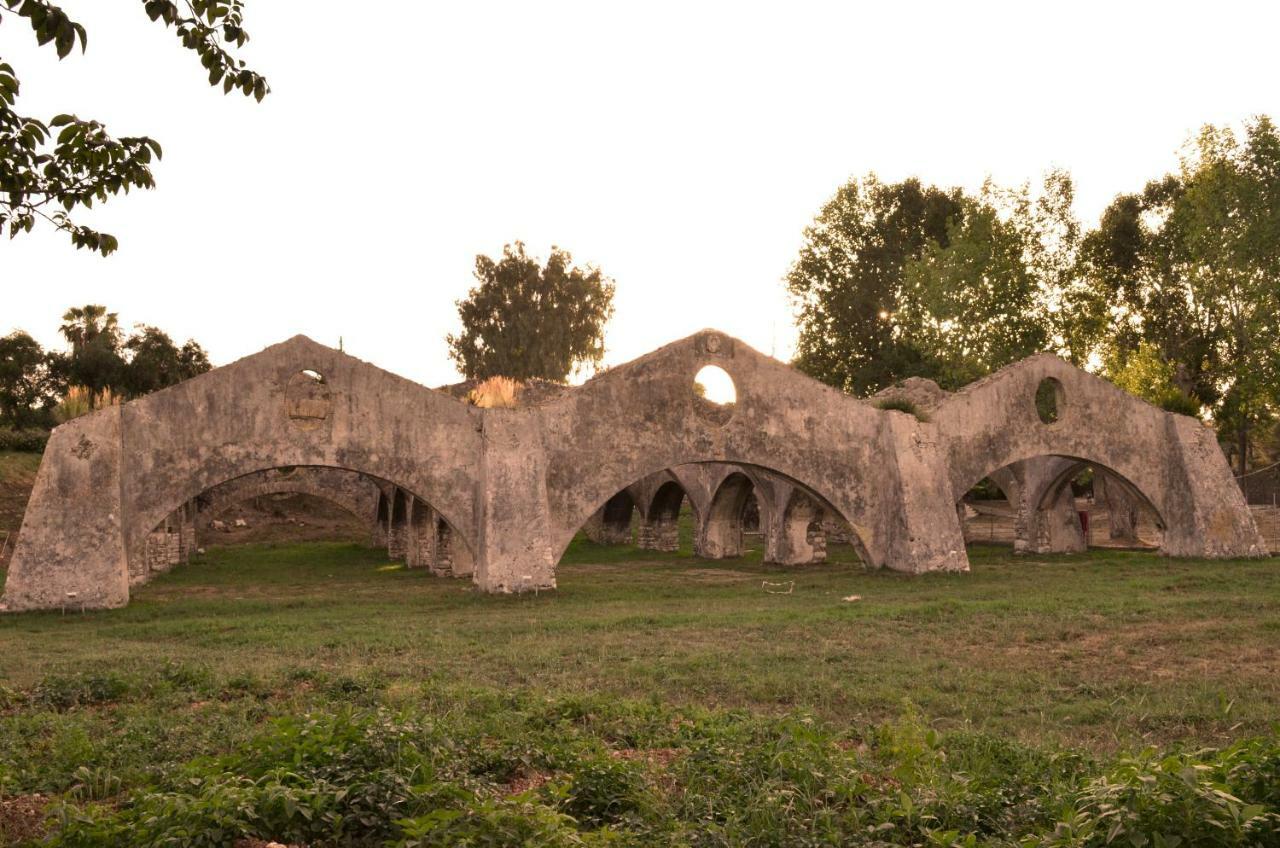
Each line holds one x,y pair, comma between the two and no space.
395,506
356,493
1035,488
757,475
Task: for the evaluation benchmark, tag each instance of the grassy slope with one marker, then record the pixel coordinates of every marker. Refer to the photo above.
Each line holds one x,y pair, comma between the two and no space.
17,475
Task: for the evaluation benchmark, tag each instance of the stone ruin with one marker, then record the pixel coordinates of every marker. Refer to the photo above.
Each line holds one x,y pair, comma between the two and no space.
496,495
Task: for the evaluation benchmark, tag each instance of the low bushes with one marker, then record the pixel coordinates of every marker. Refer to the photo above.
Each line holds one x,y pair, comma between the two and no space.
477,768
27,441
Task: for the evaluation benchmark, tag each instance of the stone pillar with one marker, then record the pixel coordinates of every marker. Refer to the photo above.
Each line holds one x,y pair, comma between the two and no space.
76,497
1204,509
420,542
1122,509
923,533
1057,525
1045,522
397,527
514,549
659,533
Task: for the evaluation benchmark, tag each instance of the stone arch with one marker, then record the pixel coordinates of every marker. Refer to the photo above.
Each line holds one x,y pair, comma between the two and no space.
612,523
357,493
801,538
1046,519
660,525
721,531
1055,489
1173,461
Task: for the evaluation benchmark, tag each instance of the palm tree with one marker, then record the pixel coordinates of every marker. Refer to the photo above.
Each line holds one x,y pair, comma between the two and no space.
86,323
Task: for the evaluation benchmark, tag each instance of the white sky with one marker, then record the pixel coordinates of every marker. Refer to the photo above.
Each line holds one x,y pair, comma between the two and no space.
682,147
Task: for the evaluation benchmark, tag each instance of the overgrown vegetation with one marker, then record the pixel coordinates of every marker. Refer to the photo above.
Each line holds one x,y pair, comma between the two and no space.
901,404
317,694
448,767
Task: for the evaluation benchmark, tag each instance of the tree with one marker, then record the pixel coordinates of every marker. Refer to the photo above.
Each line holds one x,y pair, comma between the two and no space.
984,300
43,176
27,388
847,280
94,361
899,280
155,362
1188,271
525,320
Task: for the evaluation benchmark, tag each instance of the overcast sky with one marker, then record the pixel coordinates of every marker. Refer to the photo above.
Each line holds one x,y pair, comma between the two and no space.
682,147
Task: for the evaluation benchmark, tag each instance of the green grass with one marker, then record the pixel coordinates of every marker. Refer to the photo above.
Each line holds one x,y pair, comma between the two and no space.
1109,650
1021,664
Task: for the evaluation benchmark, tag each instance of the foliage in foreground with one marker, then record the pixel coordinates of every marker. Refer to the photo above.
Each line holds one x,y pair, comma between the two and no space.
363,766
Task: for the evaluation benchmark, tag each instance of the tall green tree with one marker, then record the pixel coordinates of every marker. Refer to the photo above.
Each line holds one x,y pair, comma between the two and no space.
527,320
94,360
28,389
49,169
846,283
1189,270
155,362
897,281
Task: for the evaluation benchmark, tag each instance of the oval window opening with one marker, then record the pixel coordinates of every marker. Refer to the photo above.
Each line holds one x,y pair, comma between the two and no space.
713,384
1049,400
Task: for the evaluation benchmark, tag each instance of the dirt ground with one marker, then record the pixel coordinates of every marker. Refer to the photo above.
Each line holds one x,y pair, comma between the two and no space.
286,519
992,521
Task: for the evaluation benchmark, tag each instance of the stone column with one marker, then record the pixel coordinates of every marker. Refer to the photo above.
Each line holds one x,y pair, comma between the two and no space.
1204,509
514,549
923,532
71,551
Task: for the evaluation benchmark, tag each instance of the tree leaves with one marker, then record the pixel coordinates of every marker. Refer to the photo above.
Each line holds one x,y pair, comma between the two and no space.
86,164
527,321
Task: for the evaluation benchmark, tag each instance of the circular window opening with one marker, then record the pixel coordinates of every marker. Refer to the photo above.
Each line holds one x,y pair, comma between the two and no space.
308,401
1049,399
715,394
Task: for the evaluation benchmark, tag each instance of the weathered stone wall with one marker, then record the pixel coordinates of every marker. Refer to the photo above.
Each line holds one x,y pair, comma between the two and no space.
508,488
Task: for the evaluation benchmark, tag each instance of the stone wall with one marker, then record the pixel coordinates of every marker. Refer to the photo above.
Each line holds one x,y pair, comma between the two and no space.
515,485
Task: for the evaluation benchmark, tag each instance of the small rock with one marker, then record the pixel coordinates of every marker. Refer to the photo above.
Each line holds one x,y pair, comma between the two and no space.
851,598
218,525
240,522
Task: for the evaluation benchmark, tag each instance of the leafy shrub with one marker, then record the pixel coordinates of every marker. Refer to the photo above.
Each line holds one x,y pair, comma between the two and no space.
901,404
491,769
26,441
496,824
1165,801
1176,400
63,693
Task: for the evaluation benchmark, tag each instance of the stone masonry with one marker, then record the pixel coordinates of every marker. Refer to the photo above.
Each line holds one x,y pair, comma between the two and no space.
498,494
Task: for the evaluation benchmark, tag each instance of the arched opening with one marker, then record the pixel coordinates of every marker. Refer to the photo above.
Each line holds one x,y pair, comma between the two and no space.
714,394
720,510
283,517
612,523
802,539
291,504
722,533
988,512
660,528
1059,504
1109,511
1048,400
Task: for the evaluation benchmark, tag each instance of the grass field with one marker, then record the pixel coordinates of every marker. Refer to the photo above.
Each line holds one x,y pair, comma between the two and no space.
1039,675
